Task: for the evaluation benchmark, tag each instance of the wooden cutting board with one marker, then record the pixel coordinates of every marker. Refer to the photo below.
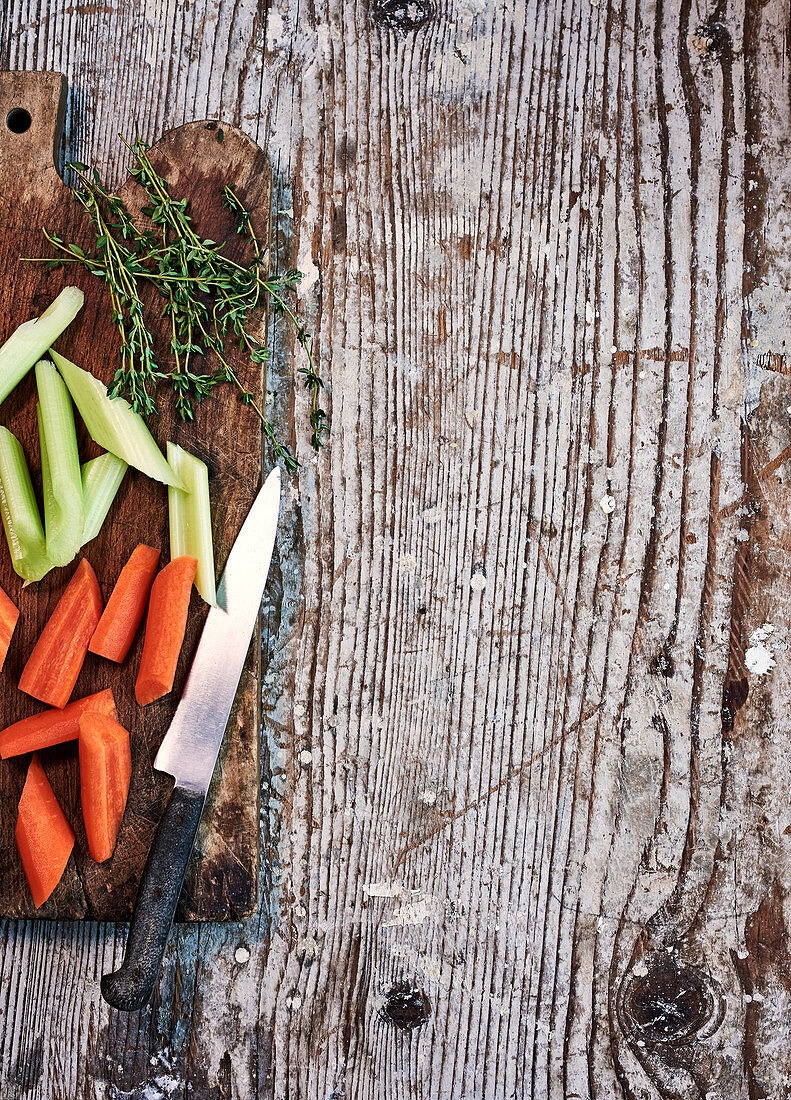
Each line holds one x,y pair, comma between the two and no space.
221,883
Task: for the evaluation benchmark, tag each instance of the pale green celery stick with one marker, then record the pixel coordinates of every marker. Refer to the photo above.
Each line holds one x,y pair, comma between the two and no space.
27,344
112,423
21,520
101,479
46,476
189,514
60,466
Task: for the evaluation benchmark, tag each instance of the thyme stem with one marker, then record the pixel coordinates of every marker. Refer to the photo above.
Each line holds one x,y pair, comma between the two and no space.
208,297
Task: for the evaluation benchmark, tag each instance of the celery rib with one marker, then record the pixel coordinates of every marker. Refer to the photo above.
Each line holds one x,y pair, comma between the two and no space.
27,344
189,515
113,424
20,515
60,466
101,480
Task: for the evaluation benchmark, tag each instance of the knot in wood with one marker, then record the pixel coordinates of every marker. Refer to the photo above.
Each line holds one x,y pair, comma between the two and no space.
666,1001
712,41
401,15
406,1007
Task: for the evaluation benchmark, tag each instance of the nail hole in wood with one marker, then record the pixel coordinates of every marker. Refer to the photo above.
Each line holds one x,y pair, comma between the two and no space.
18,120
406,1007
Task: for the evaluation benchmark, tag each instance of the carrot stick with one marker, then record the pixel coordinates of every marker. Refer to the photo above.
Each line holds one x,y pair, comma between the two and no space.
105,772
167,620
124,610
53,727
44,838
54,665
9,613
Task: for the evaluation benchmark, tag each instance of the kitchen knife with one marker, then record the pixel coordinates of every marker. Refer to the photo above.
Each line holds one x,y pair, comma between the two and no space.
189,749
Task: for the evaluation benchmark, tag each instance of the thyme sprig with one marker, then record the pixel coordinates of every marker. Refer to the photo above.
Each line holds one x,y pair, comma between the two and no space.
208,297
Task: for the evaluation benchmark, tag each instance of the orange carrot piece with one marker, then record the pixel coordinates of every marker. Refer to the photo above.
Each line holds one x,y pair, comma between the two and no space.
9,613
53,727
168,606
124,610
54,665
105,772
44,838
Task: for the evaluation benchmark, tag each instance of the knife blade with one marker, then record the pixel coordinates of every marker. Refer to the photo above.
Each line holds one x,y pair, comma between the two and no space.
191,745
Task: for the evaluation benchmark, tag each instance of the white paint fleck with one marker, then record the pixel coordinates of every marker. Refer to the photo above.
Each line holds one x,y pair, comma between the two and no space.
417,910
742,953
310,274
274,27
742,535
641,970
242,955
478,581
305,757
428,797
294,1002
607,504
383,890
759,660
432,515
407,563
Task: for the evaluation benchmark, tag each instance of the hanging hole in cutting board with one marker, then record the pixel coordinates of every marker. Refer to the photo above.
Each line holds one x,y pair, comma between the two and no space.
18,120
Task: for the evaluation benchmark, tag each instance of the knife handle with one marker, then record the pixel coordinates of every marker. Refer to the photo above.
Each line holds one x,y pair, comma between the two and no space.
130,987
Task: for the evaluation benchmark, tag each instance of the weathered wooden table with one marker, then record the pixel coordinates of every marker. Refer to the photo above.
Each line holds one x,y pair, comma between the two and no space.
528,741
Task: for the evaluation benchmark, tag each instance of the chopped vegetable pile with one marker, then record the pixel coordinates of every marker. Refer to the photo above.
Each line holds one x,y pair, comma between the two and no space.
77,498
76,626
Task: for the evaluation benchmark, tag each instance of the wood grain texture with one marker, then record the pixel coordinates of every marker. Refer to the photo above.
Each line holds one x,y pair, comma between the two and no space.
526,804
223,880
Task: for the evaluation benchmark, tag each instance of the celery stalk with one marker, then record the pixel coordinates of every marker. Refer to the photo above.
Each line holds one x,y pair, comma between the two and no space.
60,466
189,514
27,344
112,423
21,519
101,479
46,476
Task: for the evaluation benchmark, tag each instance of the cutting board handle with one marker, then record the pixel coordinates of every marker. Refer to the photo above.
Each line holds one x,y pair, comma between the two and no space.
32,109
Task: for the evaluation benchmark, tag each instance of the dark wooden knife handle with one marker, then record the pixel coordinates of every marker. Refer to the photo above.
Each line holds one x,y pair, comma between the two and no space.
130,987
